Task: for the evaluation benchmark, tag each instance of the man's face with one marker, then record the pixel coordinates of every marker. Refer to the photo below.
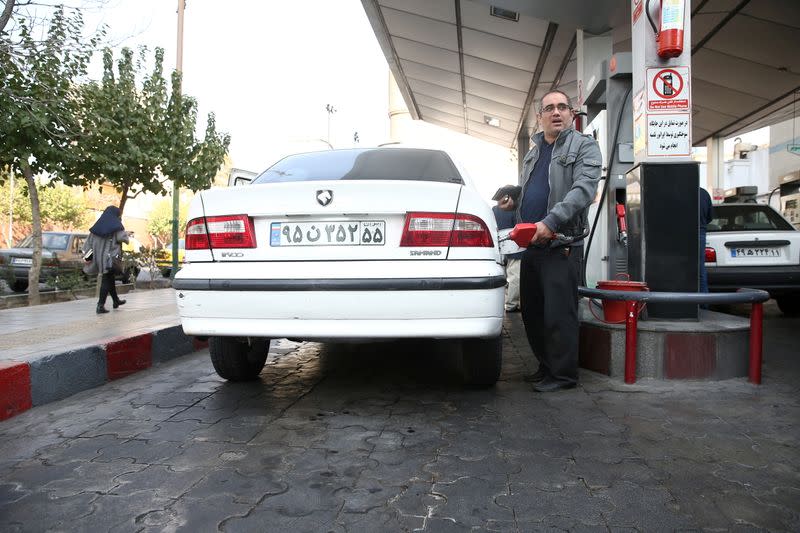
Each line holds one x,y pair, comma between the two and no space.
552,119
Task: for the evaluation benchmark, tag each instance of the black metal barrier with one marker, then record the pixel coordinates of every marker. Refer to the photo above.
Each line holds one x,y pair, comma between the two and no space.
755,297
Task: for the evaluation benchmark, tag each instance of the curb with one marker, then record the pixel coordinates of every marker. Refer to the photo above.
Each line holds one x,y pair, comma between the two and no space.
55,377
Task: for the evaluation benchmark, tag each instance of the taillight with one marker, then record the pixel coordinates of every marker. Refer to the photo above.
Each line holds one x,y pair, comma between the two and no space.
231,231
445,229
711,255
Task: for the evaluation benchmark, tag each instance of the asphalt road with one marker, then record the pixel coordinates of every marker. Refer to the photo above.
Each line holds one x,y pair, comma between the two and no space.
382,437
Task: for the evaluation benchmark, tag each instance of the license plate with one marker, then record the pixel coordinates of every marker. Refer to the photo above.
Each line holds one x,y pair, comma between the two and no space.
326,233
755,252
22,261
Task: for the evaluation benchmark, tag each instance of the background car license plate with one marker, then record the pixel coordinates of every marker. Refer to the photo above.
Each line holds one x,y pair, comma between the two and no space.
23,261
325,233
755,252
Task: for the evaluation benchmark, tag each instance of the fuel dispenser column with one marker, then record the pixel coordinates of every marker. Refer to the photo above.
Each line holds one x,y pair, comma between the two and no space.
662,187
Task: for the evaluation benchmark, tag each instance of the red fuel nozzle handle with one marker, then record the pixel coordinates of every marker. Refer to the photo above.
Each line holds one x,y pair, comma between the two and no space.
522,234
623,228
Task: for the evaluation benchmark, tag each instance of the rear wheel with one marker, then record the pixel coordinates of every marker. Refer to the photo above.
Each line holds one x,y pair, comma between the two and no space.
237,359
482,360
789,304
19,286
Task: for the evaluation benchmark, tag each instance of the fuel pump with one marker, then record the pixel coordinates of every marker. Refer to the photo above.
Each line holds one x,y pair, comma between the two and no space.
608,104
790,198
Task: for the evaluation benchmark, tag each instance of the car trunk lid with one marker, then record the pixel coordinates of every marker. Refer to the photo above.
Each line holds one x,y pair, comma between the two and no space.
332,220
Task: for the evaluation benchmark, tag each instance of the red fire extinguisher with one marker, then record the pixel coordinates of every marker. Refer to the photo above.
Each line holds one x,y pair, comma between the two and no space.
670,36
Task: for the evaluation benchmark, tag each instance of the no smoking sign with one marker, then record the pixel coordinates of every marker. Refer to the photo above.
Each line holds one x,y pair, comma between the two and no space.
667,89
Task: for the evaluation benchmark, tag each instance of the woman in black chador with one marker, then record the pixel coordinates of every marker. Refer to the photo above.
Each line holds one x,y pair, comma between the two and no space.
104,243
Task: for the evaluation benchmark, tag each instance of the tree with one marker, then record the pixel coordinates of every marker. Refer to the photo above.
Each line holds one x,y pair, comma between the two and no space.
39,109
136,137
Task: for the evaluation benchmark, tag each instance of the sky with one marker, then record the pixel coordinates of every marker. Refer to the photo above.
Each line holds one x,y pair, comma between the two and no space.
268,69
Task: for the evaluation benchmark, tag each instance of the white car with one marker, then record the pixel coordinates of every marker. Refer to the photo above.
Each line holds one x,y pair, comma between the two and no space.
361,244
752,245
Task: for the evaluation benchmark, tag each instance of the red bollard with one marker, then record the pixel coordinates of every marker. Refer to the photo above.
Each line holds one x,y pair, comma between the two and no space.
631,318
756,338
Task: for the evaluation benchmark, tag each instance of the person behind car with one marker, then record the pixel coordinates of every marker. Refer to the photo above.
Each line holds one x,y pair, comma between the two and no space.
559,180
505,220
705,214
105,239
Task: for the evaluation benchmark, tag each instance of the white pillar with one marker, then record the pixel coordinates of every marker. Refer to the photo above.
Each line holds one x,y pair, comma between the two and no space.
715,164
399,117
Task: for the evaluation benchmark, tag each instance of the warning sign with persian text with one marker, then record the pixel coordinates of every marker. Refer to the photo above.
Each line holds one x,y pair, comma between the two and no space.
668,134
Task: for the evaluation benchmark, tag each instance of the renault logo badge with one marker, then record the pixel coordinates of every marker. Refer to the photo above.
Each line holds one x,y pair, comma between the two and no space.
324,197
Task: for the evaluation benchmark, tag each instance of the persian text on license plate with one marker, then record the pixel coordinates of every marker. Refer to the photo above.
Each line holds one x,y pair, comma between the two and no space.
23,261
755,252
343,233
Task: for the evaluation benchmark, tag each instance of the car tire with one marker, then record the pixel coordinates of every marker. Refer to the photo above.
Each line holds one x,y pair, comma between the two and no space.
237,359
19,286
481,360
789,304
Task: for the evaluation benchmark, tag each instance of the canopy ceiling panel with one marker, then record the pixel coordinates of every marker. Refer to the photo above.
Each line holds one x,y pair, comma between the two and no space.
459,65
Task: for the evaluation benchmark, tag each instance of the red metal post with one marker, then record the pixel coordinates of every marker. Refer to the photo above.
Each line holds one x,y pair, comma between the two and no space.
631,317
756,341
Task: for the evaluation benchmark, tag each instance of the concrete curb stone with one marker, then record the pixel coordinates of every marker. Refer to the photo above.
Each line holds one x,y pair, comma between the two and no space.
60,375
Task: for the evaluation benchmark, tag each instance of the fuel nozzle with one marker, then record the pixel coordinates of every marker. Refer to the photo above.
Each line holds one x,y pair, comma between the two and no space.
622,227
522,234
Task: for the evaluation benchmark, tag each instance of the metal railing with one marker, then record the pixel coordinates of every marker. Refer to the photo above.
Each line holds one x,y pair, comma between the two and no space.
754,297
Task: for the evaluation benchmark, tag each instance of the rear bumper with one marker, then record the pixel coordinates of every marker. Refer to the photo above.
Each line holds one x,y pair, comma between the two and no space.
776,280
311,309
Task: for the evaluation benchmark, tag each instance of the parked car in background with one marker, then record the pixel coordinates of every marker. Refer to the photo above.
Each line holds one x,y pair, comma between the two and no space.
360,244
752,245
61,254
164,259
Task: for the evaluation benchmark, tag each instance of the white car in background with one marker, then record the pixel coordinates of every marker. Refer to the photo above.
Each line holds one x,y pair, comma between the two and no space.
361,244
752,245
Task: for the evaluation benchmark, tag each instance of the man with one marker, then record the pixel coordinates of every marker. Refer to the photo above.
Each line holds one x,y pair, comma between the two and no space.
505,220
559,180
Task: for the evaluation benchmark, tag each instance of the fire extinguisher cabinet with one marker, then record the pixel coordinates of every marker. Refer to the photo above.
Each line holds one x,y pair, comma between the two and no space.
662,218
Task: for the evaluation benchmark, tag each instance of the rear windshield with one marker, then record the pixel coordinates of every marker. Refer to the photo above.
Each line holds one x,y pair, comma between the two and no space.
375,164
50,241
746,218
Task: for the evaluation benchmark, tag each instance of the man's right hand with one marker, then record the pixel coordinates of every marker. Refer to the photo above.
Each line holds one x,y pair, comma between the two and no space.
506,203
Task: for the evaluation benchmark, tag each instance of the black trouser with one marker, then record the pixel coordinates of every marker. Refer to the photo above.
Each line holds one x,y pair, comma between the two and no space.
549,297
107,286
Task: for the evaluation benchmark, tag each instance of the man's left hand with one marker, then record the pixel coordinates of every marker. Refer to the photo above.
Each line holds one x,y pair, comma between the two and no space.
543,234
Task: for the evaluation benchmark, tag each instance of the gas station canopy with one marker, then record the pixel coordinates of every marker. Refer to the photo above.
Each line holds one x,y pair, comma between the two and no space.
479,67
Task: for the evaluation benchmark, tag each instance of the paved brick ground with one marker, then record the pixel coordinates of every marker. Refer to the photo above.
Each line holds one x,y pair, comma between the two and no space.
384,438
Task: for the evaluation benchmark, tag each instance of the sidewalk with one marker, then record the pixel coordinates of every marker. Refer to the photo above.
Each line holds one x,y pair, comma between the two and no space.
52,351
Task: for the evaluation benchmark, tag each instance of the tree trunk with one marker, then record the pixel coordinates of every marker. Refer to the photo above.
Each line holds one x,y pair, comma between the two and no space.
6,15
36,229
123,200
